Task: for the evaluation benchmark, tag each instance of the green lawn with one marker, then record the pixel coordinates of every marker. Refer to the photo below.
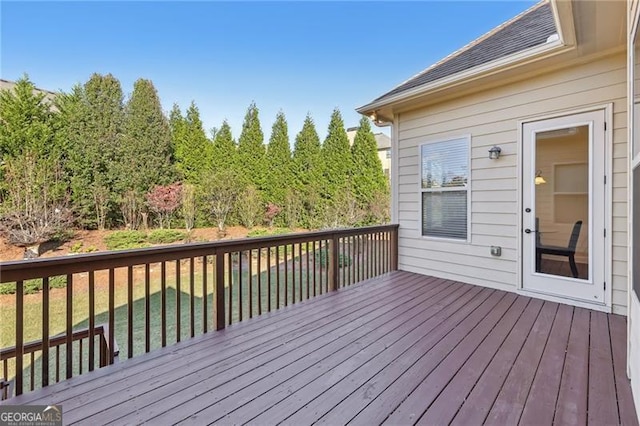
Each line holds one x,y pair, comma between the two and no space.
57,311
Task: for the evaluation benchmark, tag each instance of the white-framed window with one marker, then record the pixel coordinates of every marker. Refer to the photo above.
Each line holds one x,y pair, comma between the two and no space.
444,188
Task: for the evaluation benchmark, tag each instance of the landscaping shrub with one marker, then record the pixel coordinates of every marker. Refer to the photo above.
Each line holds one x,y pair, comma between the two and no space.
165,236
123,240
267,232
34,286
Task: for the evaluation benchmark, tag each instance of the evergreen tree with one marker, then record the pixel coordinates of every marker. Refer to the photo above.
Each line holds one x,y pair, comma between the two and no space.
93,150
33,182
26,120
278,162
307,174
336,158
146,152
224,150
193,150
369,181
251,149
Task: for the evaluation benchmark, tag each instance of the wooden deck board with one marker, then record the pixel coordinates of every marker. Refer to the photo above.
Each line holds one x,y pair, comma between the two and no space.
603,406
508,407
400,348
447,404
397,326
571,405
207,379
541,401
415,405
477,405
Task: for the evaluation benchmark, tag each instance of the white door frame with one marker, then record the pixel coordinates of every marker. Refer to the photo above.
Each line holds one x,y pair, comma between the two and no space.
606,304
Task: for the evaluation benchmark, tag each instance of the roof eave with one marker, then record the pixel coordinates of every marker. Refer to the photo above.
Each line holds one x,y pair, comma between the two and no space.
520,58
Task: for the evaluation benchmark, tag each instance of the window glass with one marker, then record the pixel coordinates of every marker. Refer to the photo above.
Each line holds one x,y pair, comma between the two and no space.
444,164
444,177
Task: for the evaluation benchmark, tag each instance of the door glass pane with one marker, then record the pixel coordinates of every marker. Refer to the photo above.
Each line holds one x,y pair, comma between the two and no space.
562,197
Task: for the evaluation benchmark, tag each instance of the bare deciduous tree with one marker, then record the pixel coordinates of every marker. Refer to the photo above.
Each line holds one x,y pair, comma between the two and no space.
35,210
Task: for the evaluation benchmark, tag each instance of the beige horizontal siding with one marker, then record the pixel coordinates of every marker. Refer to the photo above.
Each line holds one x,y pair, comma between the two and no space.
491,117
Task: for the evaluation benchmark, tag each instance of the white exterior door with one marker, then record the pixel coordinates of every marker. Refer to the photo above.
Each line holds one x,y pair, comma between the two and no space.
563,218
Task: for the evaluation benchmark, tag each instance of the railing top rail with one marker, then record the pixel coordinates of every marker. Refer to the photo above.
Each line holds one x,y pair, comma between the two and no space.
38,268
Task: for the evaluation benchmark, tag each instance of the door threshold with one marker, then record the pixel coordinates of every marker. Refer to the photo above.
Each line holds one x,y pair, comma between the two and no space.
595,306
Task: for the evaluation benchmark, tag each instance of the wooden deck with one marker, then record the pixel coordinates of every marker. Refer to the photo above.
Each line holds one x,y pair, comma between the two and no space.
398,349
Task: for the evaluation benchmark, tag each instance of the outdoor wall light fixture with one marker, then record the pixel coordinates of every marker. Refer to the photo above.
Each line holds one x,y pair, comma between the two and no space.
539,179
494,152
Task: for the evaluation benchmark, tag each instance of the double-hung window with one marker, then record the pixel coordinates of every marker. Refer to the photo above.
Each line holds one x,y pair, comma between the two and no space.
444,187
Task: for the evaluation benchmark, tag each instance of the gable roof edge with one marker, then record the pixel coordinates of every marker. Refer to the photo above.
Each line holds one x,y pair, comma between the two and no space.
492,67
475,42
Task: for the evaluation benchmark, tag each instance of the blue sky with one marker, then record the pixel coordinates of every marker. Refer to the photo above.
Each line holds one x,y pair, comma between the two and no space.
297,57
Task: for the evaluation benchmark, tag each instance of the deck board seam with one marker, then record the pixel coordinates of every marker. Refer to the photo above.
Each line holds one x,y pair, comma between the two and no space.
456,348
444,336
203,340
411,290
378,339
381,337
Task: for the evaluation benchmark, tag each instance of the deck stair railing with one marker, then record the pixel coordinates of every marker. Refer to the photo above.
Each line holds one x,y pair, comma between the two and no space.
55,347
154,297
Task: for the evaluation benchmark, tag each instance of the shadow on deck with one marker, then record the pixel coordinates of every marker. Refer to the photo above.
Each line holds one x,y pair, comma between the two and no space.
401,348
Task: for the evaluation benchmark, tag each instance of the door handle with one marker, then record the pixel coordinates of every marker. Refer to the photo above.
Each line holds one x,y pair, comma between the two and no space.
528,231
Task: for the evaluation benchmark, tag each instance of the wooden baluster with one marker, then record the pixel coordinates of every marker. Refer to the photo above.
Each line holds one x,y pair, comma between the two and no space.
259,282
147,308
80,355
129,316
250,257
112,314
163,305
293,274
376,260
314,268
219,291
268,279
341,260
286,275
277,277
240,254
32,370
45,332
57,363
178,300
394,249
307,256
205,293
230,273
300,271
69,328
192,302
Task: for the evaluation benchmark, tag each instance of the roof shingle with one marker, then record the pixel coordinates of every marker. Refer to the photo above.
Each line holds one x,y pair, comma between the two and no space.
531,28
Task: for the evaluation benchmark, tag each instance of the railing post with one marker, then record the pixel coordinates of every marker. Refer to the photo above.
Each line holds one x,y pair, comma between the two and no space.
333,262
394,249
218,293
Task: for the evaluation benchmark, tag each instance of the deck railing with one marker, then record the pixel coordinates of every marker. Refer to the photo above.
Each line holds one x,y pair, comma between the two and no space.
149,298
